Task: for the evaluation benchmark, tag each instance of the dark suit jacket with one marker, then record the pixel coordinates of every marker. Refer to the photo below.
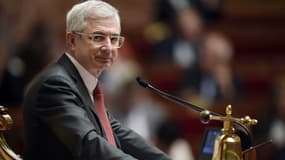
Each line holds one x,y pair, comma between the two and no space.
61,122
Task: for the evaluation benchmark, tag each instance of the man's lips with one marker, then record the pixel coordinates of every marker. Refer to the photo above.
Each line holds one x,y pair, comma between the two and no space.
103,59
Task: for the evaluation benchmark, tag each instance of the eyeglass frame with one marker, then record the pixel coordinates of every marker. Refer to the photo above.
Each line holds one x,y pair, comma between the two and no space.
91,36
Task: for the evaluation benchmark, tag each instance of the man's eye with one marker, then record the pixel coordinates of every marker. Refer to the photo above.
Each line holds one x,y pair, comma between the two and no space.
98,38
114,39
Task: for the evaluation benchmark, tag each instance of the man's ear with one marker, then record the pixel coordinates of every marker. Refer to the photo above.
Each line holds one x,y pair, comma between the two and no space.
70,40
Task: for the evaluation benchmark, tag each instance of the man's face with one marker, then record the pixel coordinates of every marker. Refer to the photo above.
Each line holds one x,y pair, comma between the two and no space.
96,57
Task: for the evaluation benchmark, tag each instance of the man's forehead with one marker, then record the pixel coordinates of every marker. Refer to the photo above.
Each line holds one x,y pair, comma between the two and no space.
108,23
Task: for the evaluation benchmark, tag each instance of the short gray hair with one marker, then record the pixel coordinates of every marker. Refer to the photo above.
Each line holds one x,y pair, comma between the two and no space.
75,18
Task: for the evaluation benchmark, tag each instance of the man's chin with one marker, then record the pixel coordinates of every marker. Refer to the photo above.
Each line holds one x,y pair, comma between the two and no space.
104,66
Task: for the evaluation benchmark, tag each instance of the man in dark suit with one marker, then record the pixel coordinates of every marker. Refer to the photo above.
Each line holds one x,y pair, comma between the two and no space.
60,113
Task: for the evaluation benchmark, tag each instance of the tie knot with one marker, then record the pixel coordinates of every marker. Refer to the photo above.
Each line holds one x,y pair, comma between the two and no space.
98,90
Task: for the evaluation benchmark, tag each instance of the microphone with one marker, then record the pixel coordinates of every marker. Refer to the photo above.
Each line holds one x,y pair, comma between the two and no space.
174,99
242,130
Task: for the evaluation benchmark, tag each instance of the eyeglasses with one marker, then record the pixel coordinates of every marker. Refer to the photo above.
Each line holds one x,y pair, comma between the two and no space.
99,38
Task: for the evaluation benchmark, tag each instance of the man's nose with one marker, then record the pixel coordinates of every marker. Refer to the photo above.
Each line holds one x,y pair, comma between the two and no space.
107,43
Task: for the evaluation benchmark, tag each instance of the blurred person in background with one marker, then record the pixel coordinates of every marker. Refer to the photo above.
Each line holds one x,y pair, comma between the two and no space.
214,79
179,52
64,109
27,60
210,10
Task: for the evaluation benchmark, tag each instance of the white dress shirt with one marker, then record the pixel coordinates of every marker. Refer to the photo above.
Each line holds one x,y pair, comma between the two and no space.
89,80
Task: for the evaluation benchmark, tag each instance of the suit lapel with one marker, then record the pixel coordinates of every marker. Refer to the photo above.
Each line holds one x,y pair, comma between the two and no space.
72,71
83,91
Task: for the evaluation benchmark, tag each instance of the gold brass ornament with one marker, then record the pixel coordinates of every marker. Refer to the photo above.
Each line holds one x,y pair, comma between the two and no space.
228,145
6,153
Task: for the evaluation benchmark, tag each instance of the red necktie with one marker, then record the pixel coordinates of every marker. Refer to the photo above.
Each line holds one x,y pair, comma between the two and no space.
101,111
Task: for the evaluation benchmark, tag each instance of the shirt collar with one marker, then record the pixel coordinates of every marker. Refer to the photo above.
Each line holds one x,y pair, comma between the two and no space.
89,80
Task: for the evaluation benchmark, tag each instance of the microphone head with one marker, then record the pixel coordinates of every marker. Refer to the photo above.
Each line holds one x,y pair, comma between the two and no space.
142,82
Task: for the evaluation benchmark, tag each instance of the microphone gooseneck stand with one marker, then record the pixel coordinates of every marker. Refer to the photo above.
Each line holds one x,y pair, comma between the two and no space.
243,129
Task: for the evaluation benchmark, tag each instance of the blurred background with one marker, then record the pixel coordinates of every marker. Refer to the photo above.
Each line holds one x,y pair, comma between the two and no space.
209,52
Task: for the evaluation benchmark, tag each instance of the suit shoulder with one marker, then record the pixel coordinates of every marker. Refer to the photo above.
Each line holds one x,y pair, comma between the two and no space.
53,73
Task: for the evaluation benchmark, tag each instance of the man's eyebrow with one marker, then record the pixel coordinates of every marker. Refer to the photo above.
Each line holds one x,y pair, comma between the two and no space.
102,33
98,32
